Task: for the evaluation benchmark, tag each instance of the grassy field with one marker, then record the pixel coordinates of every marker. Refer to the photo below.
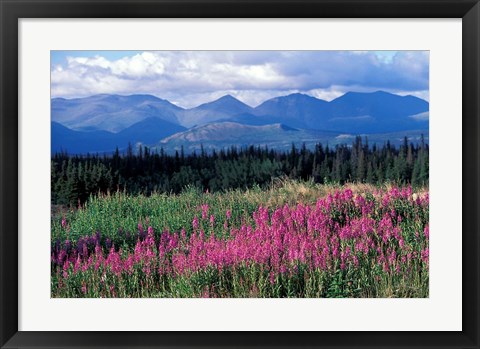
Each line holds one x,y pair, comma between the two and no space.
295,239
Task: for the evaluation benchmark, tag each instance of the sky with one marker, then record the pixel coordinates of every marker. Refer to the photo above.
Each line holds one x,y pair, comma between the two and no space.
190,78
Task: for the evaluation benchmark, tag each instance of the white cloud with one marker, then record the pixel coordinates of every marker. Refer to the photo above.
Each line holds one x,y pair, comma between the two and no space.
421,116
329,94
194,77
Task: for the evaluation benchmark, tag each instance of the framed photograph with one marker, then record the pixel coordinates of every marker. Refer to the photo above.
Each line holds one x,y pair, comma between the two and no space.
239,174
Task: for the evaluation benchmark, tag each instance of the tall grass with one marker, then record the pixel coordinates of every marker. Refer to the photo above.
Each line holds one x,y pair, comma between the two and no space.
116,214
293,240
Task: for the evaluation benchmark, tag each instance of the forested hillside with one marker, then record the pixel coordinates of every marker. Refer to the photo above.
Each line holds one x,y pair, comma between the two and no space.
137,171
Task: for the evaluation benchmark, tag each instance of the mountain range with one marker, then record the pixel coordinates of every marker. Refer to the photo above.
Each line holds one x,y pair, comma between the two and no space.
103,122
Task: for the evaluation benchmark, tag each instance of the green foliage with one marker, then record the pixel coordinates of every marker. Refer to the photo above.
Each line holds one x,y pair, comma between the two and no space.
116,214
75,178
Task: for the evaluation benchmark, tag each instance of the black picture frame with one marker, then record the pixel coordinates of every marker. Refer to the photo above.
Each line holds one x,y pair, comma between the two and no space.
13,10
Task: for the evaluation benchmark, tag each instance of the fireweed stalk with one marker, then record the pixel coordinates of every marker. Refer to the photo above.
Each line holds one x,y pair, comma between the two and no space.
346,245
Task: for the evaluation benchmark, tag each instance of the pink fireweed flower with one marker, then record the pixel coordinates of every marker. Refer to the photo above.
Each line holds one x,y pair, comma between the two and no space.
335,252
66,265
417,199
77,265
348,194
195,223
407,192
138,252
179,263
204,211
426,199
394,193
114,261
61,256
183,235
355,261
85,250
426,232
424,255
386,267
392,257
345,233
64,222
128,264
147,266
98,257
272,277
279,239
386,201
87,265
150,233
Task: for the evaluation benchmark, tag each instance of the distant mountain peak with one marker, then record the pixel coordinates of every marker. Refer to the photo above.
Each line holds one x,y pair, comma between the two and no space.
227,100
299,95
227,97
354,112
293,96
362,93
224,108
378,93
111,112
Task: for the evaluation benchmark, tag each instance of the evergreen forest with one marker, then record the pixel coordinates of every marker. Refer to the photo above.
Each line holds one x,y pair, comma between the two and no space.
143,171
